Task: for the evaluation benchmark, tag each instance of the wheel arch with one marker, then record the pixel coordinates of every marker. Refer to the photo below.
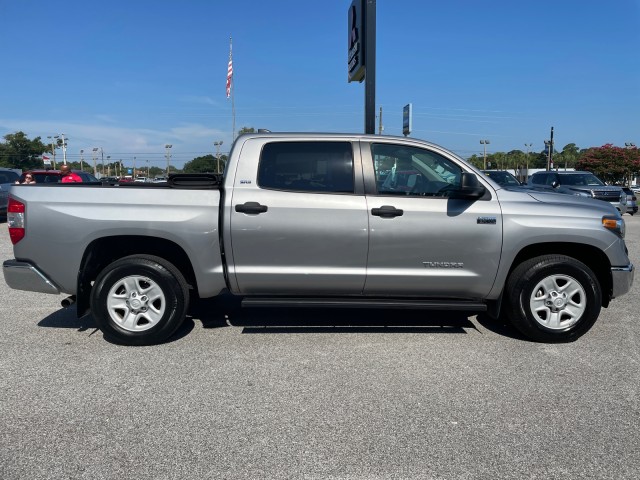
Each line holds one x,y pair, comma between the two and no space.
591,256
103,251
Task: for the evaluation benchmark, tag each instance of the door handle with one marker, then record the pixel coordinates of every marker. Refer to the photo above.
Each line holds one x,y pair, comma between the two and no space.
387,211
251,207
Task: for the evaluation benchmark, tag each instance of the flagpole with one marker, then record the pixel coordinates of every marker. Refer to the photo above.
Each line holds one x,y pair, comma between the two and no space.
230,90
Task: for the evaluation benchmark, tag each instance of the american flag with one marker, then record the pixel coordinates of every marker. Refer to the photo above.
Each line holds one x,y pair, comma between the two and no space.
229,74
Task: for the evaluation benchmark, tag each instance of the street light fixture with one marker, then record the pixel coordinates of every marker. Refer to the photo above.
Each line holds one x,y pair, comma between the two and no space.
485,143
217,145
168,155
629,144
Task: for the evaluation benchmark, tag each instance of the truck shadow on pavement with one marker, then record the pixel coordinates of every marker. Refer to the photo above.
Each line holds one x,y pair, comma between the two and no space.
226,311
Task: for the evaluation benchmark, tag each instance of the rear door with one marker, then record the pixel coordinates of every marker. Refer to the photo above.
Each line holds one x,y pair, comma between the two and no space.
299,225
422,242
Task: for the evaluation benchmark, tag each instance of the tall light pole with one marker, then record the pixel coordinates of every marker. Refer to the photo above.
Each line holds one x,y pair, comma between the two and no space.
81,159
108,166
95,156
485,143
147,170
168,155
217,145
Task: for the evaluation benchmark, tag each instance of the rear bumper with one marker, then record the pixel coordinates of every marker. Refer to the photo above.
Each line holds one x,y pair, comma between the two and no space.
622,279
24,276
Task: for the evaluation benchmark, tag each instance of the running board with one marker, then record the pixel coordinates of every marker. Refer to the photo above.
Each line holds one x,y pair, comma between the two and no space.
390,303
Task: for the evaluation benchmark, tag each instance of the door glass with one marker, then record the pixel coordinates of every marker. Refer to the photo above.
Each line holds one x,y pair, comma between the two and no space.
410,171
307,167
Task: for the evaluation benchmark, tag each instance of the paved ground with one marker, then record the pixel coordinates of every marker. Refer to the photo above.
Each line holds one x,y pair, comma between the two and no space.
440,397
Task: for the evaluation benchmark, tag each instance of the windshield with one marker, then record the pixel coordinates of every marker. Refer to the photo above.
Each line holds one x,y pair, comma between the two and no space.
587,179
502,178
8,177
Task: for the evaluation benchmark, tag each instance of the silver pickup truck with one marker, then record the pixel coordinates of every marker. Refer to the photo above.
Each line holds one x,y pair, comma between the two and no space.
319,220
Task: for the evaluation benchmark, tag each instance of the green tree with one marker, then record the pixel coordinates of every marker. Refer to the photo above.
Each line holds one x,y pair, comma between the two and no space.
206,164
246,130
19,151
610,163
567,158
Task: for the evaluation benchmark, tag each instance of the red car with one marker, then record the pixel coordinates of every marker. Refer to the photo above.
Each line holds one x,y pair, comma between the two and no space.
54,176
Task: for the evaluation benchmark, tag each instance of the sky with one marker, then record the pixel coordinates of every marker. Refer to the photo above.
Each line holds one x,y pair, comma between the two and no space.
131,76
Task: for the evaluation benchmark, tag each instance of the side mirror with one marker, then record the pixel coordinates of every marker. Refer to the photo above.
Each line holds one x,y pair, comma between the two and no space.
555,184
470,187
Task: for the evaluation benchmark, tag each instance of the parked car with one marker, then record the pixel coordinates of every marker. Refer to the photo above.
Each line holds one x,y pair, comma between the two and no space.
580,184
502,178
632,204
7,178
54,176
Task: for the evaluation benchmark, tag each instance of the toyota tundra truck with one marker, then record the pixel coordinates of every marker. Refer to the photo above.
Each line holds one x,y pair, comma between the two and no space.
320,220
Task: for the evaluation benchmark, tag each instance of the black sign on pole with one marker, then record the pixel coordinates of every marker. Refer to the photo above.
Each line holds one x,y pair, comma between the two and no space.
370,68
355,45
361,58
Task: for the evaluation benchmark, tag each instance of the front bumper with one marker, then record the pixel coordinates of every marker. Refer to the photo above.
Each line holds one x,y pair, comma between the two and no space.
622,279
24,276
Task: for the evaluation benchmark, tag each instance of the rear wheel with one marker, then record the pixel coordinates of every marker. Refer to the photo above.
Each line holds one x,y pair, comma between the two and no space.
553,298
139,300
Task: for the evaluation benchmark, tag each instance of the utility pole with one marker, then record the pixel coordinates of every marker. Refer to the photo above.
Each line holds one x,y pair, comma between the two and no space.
81,159
95,156
54,139
551,149
217,145
168,155
64,149
528,146
485,143
380,127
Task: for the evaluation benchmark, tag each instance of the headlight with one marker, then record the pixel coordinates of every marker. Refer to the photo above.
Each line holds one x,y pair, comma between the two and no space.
582,194
615,224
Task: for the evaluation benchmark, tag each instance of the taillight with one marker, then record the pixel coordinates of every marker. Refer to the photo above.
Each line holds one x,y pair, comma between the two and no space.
15,220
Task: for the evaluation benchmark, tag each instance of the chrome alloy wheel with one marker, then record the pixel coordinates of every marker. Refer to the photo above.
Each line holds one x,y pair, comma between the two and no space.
136,303
558,302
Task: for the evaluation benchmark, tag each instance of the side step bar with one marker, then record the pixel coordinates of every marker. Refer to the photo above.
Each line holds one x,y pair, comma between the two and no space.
390,303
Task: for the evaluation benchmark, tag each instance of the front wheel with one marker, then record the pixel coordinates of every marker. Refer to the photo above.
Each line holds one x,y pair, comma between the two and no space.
139,300
553,298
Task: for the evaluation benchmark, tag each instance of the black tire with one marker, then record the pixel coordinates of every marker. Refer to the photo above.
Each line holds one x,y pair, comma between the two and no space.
139,300
552,298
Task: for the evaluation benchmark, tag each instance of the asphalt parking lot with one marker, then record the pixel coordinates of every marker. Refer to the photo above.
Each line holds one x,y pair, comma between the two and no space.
316,395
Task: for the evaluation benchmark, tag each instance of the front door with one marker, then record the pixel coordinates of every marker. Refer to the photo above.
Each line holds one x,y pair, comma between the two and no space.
421,242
